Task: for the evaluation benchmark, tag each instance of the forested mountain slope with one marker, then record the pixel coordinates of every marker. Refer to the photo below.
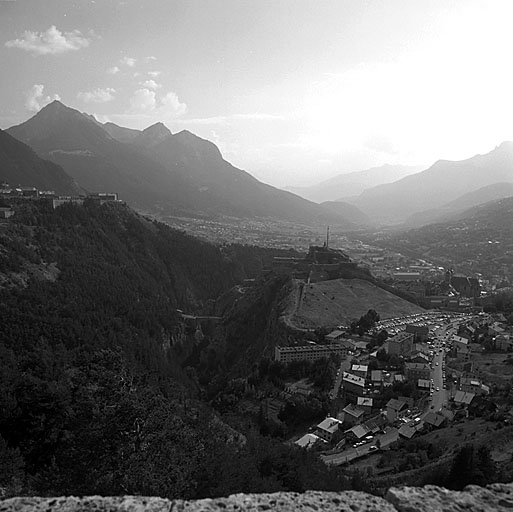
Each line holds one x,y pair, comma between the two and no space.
93,397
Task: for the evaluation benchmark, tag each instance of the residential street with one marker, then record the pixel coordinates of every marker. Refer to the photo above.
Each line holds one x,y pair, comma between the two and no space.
351,453
436,402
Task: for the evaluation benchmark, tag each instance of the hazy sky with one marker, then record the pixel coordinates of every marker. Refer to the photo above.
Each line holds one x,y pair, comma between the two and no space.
293,91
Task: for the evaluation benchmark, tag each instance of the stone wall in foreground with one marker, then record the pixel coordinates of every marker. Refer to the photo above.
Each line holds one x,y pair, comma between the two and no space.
496,497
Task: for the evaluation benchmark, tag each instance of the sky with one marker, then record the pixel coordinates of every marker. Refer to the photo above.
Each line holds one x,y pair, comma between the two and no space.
292,91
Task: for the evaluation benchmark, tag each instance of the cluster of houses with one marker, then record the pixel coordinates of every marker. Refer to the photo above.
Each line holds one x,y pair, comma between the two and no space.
484,329
355,426
359,381
360,386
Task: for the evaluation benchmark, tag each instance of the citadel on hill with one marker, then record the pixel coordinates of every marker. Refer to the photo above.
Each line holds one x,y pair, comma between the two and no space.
32,193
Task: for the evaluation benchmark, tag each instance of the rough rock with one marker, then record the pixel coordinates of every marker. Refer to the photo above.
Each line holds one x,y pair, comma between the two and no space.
496,497
86,504
349,501
430,498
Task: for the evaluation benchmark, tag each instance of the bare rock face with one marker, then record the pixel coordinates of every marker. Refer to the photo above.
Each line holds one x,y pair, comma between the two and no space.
430,498
311,501
87,504
496,497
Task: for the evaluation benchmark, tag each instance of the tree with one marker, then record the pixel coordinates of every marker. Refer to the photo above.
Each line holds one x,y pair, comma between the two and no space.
12,468
382,336
382,355
471,466
373,365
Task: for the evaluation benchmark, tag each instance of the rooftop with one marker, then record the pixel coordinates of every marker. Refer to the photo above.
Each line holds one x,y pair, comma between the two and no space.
353,410
461,397
329,424
395,404
353,379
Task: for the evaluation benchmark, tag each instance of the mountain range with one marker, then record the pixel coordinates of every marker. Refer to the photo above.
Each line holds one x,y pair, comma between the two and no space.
181,174
160,172
354,183
443,182
457,208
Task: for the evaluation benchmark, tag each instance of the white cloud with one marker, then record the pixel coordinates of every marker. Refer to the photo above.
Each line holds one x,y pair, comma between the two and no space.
97,95
50,42
36,100
113,70
171,105
154,74
151,84
145,102
150,58
128,61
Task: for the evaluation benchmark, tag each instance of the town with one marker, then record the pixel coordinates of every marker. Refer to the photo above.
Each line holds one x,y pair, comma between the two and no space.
439,361
398,378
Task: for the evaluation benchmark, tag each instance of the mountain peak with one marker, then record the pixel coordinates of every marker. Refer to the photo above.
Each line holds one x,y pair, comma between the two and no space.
200,146
56,111
56,104
59,127
158,129
505,146
153,135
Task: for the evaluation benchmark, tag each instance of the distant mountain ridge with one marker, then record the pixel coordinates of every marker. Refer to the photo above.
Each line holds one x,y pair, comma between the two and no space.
152,135
349,211
120,133
354,183
443,182
459,206
160,172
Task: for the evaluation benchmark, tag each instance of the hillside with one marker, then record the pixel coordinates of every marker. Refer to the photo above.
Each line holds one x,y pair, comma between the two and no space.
120,133
159,172
443,182
478,240
453,209
353,184
340,301
93,395
350,212
20,166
